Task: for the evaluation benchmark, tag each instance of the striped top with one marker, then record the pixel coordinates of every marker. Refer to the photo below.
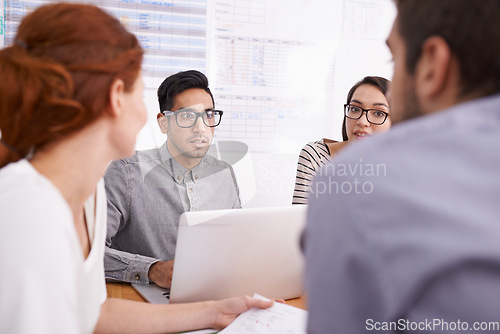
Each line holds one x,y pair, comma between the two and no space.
312,157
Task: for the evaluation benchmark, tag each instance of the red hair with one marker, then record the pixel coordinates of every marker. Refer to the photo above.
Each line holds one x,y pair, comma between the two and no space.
57,76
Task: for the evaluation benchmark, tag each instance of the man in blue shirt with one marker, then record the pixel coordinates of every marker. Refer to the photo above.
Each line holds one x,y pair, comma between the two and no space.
414,246
149,191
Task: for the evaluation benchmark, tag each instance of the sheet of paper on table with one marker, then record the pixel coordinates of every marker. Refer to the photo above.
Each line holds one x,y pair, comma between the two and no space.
278,319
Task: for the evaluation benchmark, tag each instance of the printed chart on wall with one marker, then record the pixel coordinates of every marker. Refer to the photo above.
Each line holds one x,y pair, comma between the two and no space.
172,32
272,63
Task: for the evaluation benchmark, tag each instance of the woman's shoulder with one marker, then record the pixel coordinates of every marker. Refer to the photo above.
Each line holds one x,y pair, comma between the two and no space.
324,146
335,146
26,188
318,144
316,152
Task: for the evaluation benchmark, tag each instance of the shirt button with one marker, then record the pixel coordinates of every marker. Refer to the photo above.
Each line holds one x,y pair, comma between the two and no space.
138,277
178,178
190,190
196,177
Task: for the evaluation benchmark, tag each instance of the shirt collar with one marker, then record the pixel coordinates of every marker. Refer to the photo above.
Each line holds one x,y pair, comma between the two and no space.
179,172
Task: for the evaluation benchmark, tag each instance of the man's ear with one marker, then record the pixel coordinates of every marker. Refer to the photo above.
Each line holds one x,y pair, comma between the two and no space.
433,69
116,97
162,122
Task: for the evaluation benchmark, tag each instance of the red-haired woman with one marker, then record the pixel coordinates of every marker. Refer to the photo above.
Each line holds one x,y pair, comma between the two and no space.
70,102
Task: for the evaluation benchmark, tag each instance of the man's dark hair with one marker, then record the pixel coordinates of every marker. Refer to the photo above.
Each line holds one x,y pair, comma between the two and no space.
378,82
471,30
179,82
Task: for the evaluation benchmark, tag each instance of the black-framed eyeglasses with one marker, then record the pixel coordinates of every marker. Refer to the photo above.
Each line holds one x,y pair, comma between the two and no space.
187,117
373,116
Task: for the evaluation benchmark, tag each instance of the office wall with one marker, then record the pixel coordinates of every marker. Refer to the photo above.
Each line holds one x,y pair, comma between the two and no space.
279,69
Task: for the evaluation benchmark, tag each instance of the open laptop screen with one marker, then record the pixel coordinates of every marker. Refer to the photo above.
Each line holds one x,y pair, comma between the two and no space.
227,253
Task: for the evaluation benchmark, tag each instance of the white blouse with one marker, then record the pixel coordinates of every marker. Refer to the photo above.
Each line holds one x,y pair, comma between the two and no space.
47,286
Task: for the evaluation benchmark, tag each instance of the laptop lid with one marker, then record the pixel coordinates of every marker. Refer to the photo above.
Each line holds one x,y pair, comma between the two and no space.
228,253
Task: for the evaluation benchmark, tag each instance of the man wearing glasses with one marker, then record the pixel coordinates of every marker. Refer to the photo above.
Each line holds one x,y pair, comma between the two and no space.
149,191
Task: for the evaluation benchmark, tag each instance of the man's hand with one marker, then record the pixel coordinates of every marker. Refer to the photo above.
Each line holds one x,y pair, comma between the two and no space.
230,309
161,273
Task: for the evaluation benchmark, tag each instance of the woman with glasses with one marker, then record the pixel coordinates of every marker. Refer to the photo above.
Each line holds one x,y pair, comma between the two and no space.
365,113
70,102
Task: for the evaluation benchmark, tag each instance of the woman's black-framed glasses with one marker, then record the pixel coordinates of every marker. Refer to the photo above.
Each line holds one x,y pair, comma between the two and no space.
373,116
187,117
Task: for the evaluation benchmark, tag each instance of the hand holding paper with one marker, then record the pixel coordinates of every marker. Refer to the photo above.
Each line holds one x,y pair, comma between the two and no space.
278,319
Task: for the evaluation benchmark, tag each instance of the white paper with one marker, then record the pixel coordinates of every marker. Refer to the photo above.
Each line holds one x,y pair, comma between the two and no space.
201,331
278,319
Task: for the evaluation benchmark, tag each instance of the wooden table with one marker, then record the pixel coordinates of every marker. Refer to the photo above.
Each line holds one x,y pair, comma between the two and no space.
126,291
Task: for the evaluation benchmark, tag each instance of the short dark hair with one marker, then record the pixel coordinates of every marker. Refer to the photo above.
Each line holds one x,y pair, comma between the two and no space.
471,30
381,83
179,82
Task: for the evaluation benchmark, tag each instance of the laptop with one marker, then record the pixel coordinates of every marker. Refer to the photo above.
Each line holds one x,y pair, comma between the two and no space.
228,253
